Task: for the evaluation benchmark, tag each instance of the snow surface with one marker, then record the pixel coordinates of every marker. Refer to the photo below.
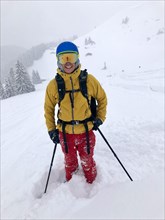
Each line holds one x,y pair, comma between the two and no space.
134,128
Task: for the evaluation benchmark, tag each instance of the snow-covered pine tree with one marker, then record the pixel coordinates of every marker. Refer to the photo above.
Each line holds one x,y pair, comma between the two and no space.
12,81
36,77
125,20
2,91
33,77
86,41
105,66
7,89
22,78
90,41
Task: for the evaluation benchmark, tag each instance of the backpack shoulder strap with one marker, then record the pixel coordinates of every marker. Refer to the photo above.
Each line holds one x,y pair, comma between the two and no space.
83,87
83,83
60,86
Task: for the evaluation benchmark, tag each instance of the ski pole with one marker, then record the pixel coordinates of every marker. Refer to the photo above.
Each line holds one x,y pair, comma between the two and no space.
114,154
51,164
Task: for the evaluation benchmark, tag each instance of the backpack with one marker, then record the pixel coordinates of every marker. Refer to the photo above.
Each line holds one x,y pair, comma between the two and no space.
92,104
83,89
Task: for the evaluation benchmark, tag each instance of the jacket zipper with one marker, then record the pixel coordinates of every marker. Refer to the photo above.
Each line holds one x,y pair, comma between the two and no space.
72,102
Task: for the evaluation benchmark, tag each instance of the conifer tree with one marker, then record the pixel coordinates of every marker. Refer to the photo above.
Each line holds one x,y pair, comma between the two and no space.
22,79
12,81
36,77
105,66
2,91
7,89
86,41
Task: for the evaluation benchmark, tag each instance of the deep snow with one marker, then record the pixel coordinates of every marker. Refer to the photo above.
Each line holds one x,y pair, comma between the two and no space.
134,128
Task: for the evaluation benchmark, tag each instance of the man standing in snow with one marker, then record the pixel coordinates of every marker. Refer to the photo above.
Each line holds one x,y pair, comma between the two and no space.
75,125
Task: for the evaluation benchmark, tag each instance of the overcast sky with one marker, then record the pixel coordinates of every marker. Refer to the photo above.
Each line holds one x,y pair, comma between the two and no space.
28,23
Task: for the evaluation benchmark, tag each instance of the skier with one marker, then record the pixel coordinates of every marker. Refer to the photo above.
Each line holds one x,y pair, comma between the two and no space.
75,124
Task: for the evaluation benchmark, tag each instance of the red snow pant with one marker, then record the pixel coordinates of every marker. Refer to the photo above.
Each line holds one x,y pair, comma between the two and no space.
77,143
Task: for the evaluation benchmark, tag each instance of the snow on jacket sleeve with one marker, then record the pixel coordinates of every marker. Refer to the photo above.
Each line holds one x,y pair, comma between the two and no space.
95,89
51,99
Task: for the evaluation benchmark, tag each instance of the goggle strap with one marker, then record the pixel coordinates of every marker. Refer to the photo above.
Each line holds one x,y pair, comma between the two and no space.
64,52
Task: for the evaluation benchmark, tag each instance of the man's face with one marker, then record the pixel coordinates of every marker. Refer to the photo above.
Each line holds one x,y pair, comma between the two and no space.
69,67
68,61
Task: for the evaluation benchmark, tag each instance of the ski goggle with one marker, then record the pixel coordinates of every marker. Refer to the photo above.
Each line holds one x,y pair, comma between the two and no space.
67,57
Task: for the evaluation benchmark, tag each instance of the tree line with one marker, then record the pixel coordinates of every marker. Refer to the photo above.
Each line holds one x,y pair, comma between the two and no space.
18,82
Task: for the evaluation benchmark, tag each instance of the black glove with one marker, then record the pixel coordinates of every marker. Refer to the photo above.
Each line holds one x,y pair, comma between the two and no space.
54,136
96,123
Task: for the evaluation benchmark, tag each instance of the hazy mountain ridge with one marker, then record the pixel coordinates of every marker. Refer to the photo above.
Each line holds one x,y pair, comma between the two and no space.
9,55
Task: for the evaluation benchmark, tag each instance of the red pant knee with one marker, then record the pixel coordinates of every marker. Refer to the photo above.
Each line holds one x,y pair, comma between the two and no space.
87,161
77,143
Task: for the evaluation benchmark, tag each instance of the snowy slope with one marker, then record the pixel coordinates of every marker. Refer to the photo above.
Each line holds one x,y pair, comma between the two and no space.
114,199
128,46
134,127
136,134
133,51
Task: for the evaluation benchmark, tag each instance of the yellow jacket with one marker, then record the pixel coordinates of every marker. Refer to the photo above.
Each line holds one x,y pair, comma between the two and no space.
81,108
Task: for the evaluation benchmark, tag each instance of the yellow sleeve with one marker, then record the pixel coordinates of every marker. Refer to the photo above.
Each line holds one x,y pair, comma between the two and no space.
97,91
51,99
